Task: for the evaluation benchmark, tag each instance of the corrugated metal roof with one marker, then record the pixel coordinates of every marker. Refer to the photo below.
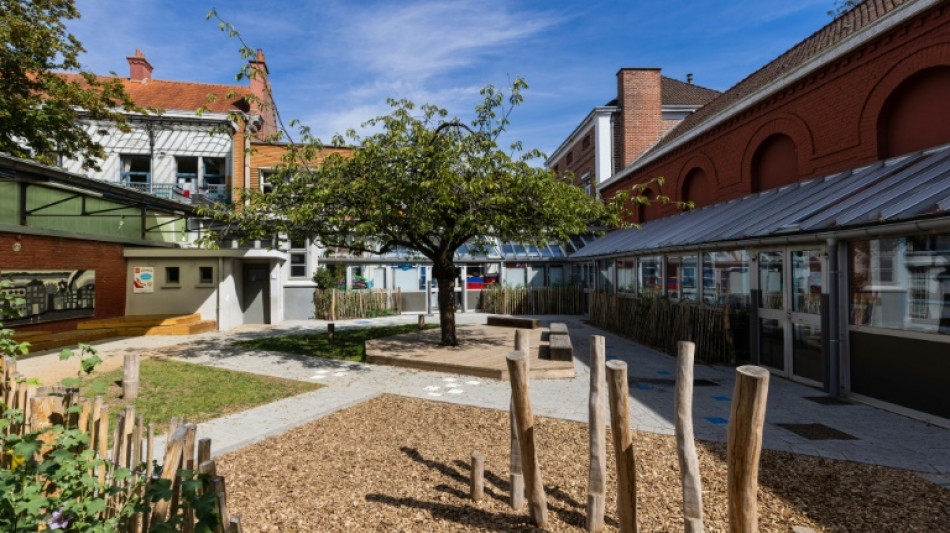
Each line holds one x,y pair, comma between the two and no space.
899,189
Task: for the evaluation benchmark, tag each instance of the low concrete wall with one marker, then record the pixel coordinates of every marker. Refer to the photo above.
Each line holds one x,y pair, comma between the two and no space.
298,303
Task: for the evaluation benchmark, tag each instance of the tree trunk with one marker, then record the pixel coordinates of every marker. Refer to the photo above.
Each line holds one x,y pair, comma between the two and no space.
444,275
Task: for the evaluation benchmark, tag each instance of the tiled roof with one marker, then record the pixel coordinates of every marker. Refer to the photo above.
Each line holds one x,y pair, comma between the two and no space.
676,92
182,95
822,40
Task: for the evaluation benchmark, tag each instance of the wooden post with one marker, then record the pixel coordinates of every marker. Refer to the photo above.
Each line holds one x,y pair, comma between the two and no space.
478,476
102,440
623,445
685,445
534,487
597,477
331,329
222,504
173,450
204,450
235,524
744,447
422,321
130,376
516,478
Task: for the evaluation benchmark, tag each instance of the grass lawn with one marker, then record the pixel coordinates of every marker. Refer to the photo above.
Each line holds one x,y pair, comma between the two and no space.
170,388
347,344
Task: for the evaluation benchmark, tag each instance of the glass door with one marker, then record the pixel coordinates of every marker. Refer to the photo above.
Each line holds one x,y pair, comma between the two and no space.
805,314
790,284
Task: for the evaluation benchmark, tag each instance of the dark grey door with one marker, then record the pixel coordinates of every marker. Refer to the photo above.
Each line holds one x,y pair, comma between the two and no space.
256,294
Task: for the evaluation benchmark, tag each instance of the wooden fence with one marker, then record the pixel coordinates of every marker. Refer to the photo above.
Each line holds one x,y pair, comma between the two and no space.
335,304
132,448
661,323
561,300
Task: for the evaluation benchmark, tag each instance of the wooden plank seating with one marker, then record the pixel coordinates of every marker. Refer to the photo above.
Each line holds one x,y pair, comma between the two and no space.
561,347
513,322
558,328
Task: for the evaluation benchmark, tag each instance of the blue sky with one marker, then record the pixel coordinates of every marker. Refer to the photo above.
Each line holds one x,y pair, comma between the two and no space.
333,63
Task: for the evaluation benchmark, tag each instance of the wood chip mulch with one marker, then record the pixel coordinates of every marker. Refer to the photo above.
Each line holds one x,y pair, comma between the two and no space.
402,464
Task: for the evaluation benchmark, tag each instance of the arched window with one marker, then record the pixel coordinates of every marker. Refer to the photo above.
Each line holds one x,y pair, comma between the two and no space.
775,163
696,188
646,213
914,117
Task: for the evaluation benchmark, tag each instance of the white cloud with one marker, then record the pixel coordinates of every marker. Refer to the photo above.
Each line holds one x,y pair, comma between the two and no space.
424,39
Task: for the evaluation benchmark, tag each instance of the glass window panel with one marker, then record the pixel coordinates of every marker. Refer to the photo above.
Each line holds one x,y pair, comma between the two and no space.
806,281
556,275
726,278
901,283
772,342
772,280
648,276
681,277
627,275
806,351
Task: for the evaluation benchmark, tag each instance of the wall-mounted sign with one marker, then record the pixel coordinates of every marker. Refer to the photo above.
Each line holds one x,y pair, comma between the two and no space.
50,295
143,279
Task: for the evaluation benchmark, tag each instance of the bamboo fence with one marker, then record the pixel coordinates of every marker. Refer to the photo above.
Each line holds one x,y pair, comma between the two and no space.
335,304
558,300
132,448
661,323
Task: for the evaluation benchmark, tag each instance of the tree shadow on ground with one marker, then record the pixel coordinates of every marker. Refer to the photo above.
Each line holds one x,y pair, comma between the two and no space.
573,512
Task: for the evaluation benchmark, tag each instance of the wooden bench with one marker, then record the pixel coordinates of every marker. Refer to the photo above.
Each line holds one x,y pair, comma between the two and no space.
513,322
561,347
558,328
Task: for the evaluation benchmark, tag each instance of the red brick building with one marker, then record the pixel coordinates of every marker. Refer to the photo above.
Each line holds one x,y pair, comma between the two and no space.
612,136
872,84
822,221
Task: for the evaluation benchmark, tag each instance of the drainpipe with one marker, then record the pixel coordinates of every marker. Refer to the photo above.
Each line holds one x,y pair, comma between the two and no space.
833,364
217,295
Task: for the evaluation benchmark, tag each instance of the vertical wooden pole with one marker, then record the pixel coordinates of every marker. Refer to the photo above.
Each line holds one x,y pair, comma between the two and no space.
422,321
130,376
534,486
685,445
331,329
173,450
478,476
516,478
744,447
597,477
623,445
102,440
204,450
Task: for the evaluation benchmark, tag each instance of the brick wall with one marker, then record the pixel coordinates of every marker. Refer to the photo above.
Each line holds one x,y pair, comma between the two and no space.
53,253
582,158
641,117
832,116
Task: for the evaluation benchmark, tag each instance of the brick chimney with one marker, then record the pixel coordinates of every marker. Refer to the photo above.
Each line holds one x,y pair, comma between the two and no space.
139,67
641,115
260,88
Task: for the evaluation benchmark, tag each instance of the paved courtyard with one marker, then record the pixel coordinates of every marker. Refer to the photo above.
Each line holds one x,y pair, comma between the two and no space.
874,435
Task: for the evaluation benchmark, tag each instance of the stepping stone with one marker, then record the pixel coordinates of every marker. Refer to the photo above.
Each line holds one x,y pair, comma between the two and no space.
449,380
339,374
473,382
435,394
432,388
318,376
456,391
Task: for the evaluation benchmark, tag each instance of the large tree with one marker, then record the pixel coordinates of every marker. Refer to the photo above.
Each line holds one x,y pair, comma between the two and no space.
40,102
425,183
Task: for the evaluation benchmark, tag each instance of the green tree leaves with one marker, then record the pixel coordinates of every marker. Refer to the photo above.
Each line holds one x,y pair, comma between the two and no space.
39,107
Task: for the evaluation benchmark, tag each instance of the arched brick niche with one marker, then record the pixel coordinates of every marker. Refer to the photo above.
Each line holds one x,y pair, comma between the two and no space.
899,95
697,182
774,163
915,115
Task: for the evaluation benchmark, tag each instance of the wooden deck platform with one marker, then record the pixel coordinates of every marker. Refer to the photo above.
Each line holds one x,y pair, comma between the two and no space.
481,353
125,326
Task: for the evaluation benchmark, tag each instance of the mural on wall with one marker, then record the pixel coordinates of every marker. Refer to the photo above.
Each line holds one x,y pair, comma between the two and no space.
51,295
